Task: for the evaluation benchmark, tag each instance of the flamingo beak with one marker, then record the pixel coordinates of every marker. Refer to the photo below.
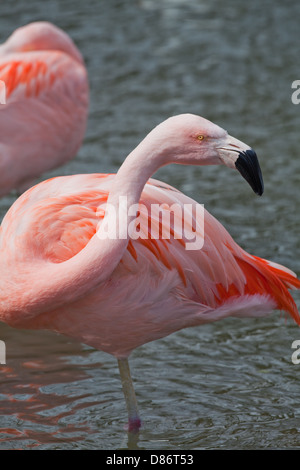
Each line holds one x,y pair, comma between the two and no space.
248,166
236,154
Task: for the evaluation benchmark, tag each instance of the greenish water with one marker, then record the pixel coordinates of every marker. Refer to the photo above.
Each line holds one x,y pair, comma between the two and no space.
230,385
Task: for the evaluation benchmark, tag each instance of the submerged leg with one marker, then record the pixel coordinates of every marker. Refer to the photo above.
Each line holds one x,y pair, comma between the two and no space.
134,422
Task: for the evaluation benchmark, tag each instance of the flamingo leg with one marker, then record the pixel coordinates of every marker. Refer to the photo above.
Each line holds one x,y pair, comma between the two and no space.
134,422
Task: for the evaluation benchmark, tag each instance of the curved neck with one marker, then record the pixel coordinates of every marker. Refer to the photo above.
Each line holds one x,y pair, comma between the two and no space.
134,173
95,263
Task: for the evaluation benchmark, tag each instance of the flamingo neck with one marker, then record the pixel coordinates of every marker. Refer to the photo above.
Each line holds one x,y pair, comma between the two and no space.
134,173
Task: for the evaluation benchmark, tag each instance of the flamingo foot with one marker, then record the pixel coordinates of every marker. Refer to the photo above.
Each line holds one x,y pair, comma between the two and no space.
134,425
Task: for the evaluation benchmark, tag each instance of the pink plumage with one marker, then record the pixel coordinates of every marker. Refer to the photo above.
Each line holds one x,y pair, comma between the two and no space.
117,294
43,122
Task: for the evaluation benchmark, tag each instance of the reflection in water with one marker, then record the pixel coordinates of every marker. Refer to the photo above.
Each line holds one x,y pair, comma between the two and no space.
29,398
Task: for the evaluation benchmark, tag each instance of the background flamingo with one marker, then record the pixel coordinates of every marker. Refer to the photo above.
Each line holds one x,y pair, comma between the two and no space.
117,294
43,123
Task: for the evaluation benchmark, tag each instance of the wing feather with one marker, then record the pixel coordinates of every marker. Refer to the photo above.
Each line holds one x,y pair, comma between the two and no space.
38,132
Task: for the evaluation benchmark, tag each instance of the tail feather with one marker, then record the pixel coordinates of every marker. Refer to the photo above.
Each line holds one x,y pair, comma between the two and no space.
268,278
288,277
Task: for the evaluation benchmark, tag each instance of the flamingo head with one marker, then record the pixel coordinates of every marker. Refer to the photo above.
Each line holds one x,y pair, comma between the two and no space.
192,140
41,36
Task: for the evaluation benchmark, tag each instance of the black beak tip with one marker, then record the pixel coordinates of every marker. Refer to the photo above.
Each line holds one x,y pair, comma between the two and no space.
247,164
260,192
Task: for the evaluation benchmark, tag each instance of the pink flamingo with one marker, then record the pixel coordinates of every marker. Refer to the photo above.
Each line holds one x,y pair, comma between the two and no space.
116,294
43,121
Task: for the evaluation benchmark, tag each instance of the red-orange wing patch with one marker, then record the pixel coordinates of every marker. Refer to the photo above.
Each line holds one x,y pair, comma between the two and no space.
27,78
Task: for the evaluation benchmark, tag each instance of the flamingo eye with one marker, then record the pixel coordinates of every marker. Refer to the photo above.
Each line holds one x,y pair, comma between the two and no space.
200,137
